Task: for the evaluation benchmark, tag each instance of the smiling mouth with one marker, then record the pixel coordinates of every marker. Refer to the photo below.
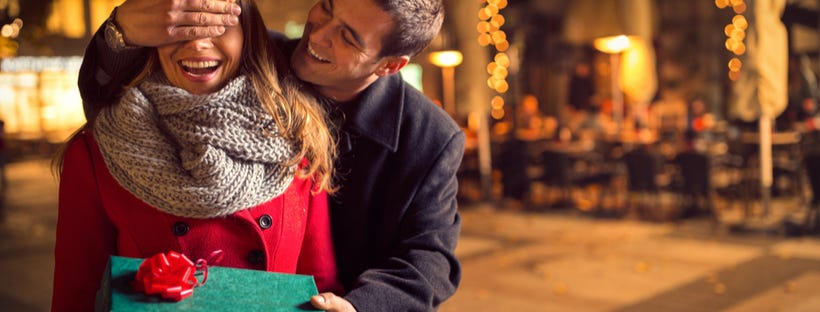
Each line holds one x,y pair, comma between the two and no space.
313,53
199,68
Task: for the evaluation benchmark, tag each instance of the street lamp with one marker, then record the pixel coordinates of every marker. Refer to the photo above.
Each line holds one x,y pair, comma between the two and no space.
614,45
447,60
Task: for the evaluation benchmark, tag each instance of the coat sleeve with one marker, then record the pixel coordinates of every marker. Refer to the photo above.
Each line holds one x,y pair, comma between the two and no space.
317,257
85,236
422,270
104,73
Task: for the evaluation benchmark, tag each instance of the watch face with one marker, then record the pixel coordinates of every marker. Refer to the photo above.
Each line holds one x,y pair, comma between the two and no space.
113,37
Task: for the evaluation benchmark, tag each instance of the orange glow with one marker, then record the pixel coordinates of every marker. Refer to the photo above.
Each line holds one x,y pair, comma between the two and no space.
739,8
498,20
612,44
739,21
735,64
740,49
728,30
449,58
497,102
502,59
502,86
482,27
484,39
502,46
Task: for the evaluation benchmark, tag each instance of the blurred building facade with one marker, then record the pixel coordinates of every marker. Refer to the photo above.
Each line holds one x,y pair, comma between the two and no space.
39,101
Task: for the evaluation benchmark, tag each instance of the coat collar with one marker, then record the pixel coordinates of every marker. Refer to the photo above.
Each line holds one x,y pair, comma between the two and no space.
376,114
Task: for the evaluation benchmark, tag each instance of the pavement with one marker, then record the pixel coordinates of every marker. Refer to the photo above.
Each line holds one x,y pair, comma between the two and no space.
28,218
513,259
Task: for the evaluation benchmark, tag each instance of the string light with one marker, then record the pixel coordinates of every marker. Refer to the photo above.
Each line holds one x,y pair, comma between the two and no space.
490,34
735,34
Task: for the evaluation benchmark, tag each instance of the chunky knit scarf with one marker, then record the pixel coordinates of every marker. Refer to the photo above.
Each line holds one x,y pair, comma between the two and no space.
198,156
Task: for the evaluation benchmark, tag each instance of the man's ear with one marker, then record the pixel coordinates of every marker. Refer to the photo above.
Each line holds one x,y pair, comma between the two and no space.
391,65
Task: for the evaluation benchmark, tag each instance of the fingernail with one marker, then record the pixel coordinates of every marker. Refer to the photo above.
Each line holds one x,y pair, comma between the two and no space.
321,299
235,9
233,20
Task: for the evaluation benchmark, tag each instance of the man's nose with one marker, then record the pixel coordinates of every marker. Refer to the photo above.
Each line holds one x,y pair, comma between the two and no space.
320,34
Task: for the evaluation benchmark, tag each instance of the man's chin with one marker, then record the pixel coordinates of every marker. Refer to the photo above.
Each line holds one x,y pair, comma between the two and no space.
301,71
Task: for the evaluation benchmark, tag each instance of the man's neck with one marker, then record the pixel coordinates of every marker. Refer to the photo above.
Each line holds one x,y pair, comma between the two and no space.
346,93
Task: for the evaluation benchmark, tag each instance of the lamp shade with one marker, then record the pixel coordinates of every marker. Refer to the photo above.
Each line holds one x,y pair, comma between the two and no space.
588,20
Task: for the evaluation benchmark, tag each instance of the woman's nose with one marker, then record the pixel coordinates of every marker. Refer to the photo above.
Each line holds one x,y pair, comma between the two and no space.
200,44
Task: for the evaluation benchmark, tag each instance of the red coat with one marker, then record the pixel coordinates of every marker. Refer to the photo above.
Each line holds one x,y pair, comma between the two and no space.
98,218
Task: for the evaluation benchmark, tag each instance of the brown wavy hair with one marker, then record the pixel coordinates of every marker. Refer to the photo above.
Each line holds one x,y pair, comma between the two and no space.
299,116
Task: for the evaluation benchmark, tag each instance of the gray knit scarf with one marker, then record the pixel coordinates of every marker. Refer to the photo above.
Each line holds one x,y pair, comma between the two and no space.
198,156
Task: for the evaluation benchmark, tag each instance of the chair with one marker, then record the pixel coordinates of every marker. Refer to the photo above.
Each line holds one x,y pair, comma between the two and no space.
598,181
513,166
643,170
695,171
812,221
740,167
557,175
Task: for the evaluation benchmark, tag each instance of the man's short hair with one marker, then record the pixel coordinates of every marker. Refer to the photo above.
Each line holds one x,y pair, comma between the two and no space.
416,24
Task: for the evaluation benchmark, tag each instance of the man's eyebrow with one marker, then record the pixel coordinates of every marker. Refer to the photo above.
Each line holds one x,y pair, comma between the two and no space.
352,31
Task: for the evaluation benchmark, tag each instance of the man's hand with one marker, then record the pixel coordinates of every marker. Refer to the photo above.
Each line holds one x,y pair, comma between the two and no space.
331,303
152,23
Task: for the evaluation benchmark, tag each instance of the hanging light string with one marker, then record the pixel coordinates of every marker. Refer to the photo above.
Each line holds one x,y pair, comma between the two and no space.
490,34
735,33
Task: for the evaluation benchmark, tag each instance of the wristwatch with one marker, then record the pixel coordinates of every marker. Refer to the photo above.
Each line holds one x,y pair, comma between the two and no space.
113,34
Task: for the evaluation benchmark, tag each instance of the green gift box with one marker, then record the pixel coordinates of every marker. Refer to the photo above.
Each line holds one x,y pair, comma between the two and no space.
227,289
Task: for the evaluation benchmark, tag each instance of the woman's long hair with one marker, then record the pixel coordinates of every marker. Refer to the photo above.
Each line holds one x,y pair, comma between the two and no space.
299,116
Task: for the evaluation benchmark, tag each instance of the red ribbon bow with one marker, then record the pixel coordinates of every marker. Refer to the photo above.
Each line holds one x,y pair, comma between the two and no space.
171,275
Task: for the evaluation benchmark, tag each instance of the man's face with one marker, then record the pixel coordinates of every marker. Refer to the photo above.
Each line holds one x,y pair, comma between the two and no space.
204,65
338,52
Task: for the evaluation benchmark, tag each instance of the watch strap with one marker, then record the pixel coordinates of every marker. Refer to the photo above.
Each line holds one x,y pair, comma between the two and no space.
113,34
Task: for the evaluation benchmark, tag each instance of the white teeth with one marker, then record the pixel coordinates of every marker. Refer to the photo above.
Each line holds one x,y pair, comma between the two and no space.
313,54
199,64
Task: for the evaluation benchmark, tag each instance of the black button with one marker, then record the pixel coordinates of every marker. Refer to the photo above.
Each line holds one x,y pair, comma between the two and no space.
256,257
265,221
180,228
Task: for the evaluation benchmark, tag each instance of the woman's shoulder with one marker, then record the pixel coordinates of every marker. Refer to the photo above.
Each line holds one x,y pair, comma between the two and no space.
80,139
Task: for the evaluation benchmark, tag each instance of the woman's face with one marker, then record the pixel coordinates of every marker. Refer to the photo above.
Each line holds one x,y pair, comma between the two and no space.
205,65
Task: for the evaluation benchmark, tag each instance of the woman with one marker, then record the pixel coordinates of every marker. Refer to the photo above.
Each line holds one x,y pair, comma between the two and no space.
209,149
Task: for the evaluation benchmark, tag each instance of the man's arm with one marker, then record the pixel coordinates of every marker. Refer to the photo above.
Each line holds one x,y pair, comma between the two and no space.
422,271
146,23
104,72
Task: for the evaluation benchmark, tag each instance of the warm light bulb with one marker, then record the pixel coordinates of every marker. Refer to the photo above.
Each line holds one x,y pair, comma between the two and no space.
484,40
502,46
449,58
735,64
491,67
612,44
502,59
739,21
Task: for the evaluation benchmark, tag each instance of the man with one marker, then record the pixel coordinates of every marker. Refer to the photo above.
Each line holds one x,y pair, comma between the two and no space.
395,220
